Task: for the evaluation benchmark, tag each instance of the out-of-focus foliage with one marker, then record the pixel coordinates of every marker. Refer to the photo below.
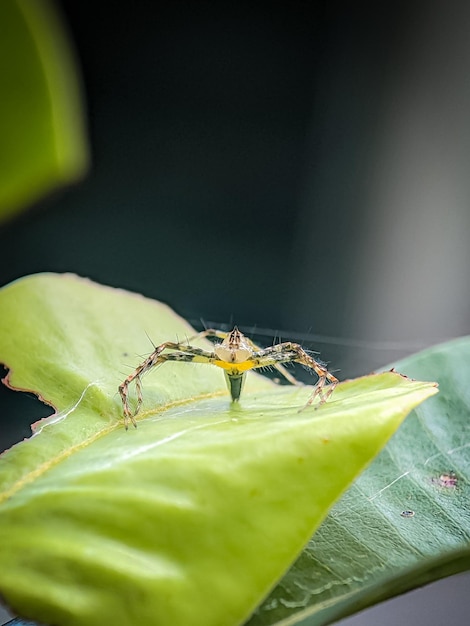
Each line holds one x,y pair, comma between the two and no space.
42,139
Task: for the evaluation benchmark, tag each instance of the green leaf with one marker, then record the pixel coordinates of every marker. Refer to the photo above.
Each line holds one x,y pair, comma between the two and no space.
366,551
192,517
43,141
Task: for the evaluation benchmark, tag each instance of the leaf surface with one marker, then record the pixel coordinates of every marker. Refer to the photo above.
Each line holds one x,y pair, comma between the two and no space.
192,517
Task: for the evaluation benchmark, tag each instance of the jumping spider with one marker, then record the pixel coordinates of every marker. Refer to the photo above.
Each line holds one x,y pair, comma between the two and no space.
235,355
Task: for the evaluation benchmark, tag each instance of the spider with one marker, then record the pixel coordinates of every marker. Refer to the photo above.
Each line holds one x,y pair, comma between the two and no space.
236,354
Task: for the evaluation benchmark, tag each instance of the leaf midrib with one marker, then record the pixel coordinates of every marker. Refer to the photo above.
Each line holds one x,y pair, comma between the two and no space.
32,475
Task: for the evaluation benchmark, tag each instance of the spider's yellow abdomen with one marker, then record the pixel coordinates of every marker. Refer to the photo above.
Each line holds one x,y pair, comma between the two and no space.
235,367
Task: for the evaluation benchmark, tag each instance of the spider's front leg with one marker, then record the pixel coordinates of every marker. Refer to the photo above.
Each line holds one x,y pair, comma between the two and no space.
146,366
292,352
324,376
183,353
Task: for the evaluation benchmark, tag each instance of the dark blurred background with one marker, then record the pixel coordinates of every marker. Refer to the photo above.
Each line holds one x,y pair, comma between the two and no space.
298,167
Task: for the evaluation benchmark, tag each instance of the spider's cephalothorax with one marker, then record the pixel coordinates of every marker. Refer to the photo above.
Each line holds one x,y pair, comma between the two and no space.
236,354
234,351
235,348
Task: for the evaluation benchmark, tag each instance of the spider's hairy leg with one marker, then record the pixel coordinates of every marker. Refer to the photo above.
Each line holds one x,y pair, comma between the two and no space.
277,366
326,381
183,353
146,366
292,352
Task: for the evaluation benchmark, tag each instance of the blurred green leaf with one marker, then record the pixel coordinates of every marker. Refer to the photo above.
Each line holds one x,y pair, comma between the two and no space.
43,142
192,517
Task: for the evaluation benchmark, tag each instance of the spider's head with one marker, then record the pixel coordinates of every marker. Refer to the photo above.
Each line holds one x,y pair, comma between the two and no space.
235,348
